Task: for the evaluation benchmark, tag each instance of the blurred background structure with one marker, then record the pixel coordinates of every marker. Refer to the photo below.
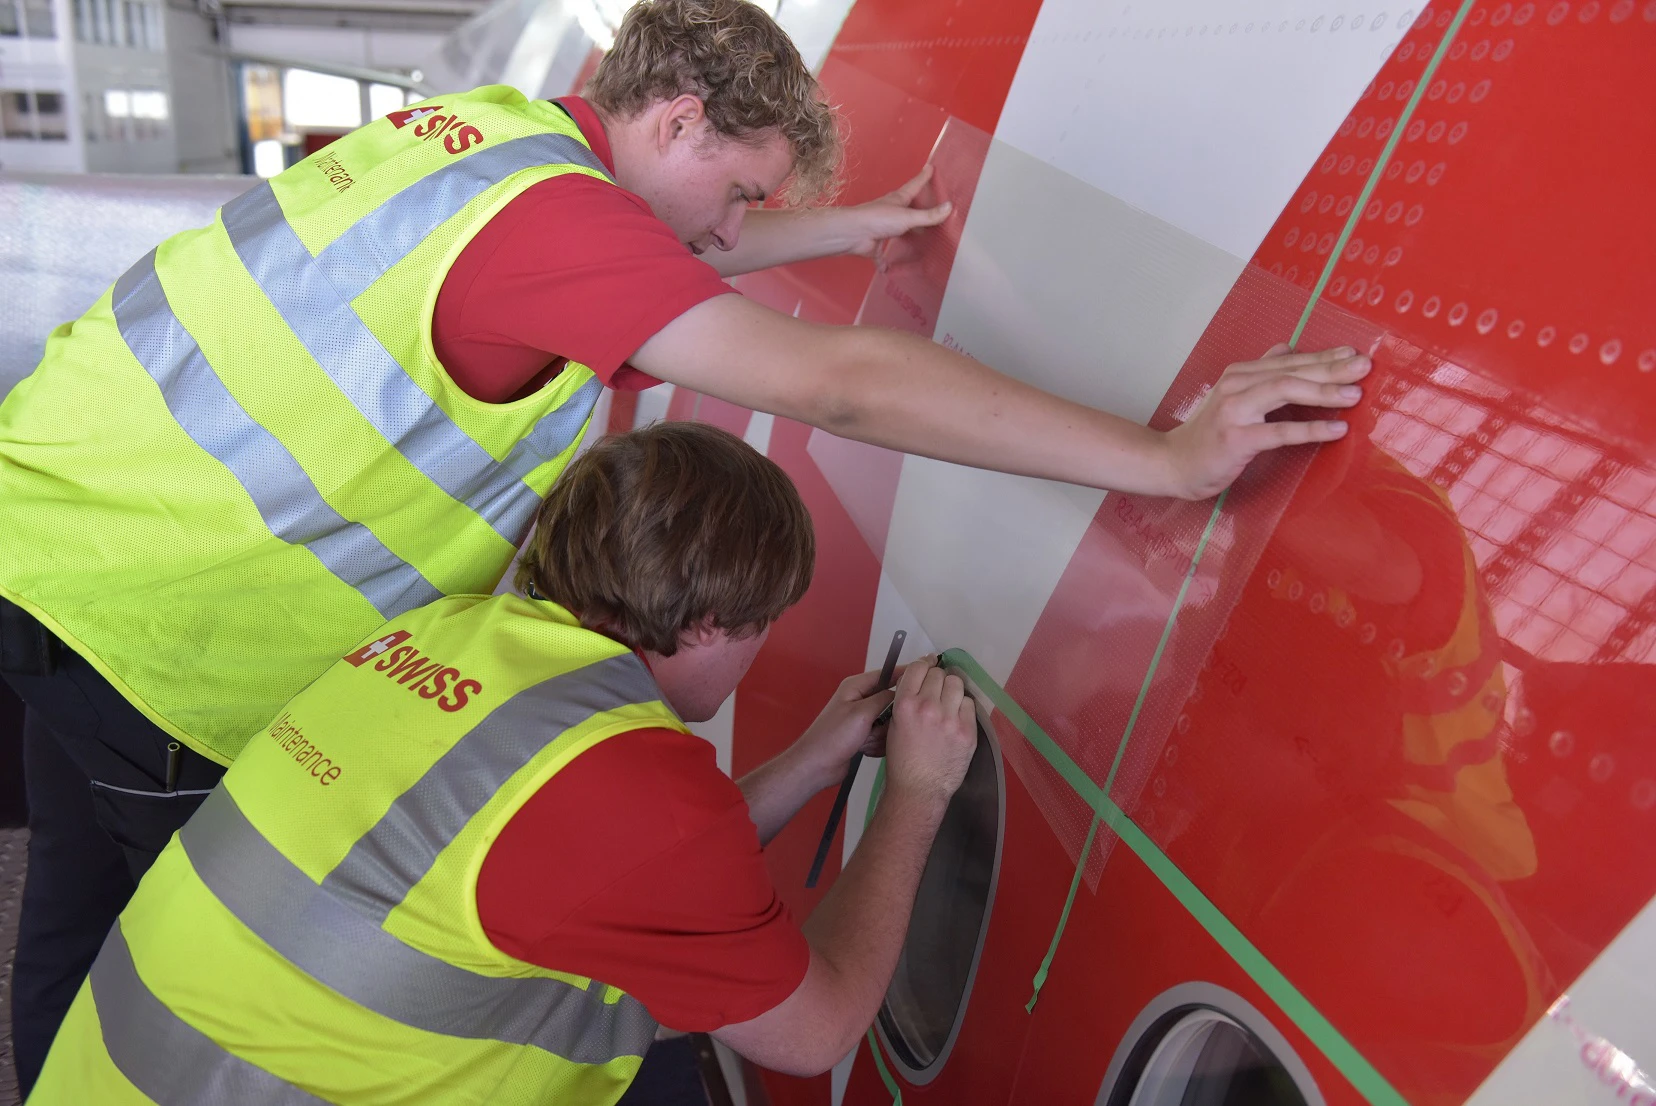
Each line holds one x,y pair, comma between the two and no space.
250,86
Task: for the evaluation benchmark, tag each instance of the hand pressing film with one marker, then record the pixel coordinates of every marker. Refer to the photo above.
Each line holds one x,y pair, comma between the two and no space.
893,215
887,670
1231,425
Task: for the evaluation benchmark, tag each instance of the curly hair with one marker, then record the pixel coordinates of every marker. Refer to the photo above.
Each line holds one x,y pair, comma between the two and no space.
746,70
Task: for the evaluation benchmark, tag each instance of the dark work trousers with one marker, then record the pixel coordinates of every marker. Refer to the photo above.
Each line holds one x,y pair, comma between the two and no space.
100,812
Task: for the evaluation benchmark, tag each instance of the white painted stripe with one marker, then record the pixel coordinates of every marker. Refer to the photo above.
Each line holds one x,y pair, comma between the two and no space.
652,405
862,477
1597,1046
1080,294
976,554
890,615
813,24
839,1077
759,431
1206,113
719,731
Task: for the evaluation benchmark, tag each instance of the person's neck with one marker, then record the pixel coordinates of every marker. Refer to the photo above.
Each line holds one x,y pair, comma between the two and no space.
629,142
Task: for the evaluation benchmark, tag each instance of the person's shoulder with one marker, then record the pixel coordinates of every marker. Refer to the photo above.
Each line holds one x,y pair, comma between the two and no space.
582,193
574,216
668,776
629,800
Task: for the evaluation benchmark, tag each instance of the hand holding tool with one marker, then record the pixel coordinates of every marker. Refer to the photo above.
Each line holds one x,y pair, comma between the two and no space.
887,670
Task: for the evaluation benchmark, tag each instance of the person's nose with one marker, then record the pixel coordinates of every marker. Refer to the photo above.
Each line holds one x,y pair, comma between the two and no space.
727,233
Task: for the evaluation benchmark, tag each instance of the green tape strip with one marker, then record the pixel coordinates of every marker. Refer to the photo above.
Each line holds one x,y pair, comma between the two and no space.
1063,919
1379,165
1351,1063
1167,634
885,1075
1121,749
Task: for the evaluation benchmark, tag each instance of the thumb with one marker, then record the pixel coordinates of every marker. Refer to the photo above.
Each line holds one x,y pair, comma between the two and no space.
874,704
931,216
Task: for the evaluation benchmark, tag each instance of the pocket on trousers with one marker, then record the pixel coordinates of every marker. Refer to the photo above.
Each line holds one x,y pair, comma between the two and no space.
143,820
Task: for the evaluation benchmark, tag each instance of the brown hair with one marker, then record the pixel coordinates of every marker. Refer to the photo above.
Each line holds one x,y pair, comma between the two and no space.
650,533
746,70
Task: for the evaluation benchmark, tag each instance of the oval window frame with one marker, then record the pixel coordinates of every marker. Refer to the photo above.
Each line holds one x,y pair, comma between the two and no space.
1176,1008
897,1056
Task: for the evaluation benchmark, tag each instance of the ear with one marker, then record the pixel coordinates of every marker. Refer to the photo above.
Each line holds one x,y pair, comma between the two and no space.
681,117
701,634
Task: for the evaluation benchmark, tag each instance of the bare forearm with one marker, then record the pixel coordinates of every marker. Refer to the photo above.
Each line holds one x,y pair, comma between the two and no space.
781,238
778,788
856,933
858,929
910,394
906,393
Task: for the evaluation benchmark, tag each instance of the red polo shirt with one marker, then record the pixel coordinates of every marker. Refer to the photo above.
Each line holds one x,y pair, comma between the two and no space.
574,267
637,864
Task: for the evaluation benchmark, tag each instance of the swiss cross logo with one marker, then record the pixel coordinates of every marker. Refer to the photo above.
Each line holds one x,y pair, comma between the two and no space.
414,671
375,648
401,119
430,121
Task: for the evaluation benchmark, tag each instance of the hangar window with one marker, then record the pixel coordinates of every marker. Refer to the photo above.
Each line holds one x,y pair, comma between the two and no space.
1200,1045
928,994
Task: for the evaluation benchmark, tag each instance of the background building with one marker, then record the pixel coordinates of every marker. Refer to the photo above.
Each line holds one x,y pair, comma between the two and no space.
113,86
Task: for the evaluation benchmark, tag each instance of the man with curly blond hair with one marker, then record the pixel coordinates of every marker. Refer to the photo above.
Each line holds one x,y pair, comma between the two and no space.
344,398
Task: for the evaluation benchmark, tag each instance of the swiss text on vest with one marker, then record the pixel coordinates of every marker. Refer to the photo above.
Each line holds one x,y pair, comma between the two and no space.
431,121
430,678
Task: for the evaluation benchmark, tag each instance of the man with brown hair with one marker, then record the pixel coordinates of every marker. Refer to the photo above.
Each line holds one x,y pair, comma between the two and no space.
345,399
481,857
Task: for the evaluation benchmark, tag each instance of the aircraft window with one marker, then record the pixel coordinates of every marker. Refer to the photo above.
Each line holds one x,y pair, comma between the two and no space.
1187,1049
1209,1060
927,996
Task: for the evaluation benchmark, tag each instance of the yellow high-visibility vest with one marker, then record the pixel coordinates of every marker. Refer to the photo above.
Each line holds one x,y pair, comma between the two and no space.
312,934
246,455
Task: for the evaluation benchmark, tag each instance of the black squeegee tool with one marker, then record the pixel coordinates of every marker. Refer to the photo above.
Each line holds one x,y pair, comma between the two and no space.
834,815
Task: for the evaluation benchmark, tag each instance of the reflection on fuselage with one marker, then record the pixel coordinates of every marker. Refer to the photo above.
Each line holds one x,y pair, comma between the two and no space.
1366,742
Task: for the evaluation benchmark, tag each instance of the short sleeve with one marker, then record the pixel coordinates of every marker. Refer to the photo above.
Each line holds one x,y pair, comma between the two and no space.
639,865
575,268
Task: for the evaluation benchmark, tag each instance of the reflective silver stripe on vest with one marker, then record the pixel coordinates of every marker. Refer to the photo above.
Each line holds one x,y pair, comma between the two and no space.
166,1058
389,233
335,945
397,852
553,434
284,495
377,385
